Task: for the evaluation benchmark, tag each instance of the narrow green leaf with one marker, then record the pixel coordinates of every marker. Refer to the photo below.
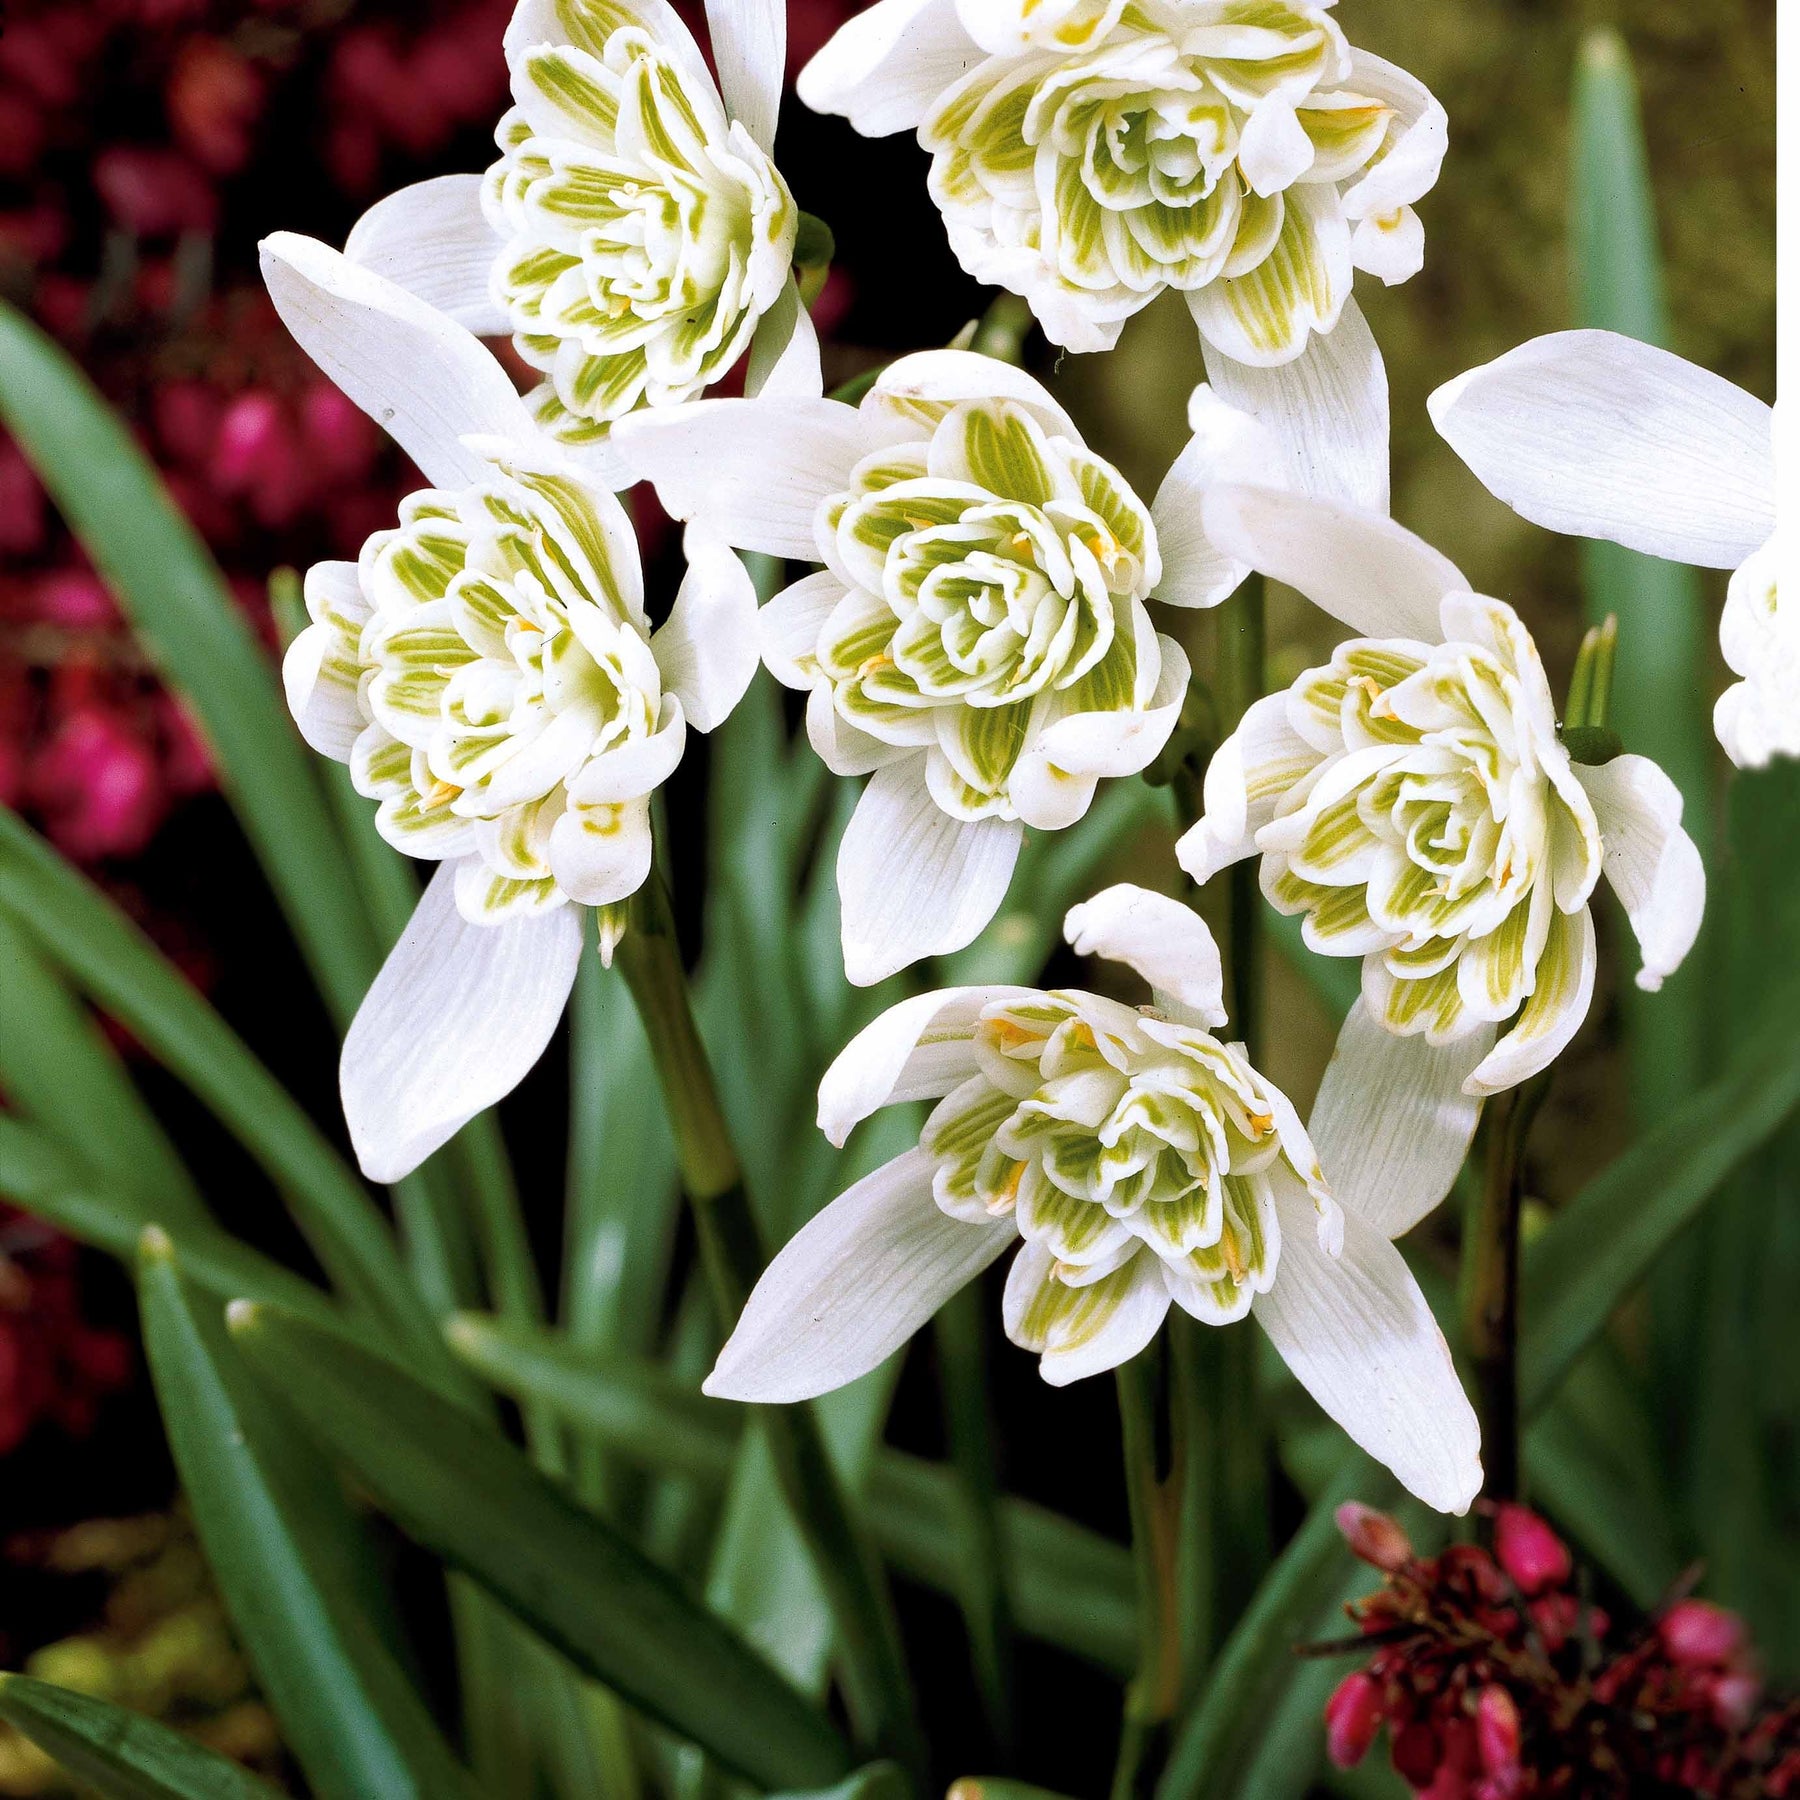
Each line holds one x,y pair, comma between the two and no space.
57,1068
119,1754
1072,1587
1597,1249
1659,709
287,1556
119,968
107,490
469,1496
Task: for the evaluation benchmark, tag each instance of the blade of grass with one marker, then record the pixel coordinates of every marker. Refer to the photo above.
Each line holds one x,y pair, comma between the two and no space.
468,1495
122,971
57,1068
286,1553
170,588
120,1754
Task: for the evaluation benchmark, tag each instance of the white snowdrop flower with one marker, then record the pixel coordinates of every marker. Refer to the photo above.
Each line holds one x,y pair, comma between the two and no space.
487,672
635,235
1134,1161
1600,436
1088,154
977,639
1413,802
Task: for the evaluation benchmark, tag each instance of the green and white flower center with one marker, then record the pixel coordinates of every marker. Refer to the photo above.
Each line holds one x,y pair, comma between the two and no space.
1133,147
645,232
1438,827
996,578
1110,1135
497,655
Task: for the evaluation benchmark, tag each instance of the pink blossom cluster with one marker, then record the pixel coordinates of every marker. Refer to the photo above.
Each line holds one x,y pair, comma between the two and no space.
1497,1680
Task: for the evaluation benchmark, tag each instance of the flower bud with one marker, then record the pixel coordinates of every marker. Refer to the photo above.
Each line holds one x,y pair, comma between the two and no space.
1373,1536
1697,1634
1734,1698
1497,1732
1529,1551
1352,1718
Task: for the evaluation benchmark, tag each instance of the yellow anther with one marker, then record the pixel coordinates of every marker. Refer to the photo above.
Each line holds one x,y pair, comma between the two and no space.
1004,1034
440,793
1102,547
1008,1196
1261,1124
1234,1260
618,306
1022,542
875,664
1061,1271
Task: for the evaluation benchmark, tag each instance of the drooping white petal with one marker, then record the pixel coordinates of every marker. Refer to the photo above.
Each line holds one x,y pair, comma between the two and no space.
1082,1331
912,881
1227,445
917,1050
1328,409
1553,1014
1392,1124
454,1021
601,855
842,747
1409,168
707,648
433,240
1274,150
424,379
1651,862
1248,773
949,376
1358,566
323,697
749,44
1165,942
788,627
637,766
784,352
1358,1334
1389,246
883,69
1758,718
1597,435
851,1286
752,471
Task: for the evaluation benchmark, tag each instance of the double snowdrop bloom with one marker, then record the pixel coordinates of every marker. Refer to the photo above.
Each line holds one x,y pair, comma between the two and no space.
1600,436
635,233
488,673
1412,801
977,638
1088,154
1135,1161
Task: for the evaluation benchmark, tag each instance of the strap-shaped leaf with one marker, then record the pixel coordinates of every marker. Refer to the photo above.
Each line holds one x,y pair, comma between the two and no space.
119,1754
289,1559
107,490
106,956
461,1490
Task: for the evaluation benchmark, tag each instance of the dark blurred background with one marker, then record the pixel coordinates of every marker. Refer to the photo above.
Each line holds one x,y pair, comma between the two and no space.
145,146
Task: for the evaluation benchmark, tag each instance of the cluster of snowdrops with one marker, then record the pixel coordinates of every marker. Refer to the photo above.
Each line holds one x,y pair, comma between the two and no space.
974,624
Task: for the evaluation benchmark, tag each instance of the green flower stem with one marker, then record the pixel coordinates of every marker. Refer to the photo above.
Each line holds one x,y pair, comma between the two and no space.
1491,1283
983,1573
1002,329
1243,654
1152,1694
877,1685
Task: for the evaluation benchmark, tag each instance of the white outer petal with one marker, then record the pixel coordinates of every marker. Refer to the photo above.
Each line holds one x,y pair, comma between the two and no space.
752,471
433,240
955,375
1134,1321
329,718
602,866
1264,744
1356,1331
1392,1124
1167,943
1409,170
707,648
1651,862
912,881
1328,409
784,352
426,381
749,45
1358,566
1596,435
917,1050
884,68
1227,445
851,1286
454,1021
